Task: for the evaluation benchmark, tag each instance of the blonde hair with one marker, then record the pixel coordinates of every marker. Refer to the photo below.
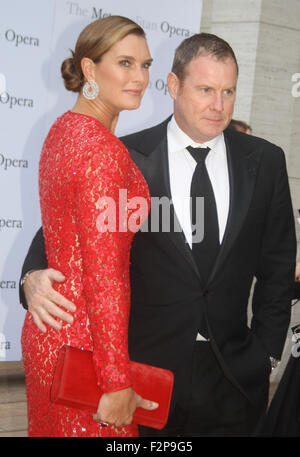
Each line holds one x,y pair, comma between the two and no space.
93,42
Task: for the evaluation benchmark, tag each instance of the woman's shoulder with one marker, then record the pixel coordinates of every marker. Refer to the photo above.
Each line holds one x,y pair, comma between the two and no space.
77,128
80,124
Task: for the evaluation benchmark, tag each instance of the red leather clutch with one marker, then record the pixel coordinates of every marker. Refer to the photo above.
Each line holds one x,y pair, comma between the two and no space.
75,385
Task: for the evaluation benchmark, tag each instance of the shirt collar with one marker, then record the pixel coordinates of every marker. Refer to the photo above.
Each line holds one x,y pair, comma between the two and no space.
178,140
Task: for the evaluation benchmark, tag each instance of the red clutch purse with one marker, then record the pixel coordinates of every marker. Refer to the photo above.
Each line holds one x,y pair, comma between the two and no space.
75,385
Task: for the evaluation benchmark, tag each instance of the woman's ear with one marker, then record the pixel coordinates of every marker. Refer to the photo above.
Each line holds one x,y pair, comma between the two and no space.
88,69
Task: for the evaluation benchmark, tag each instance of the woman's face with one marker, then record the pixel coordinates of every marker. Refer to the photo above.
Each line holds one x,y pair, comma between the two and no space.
123,74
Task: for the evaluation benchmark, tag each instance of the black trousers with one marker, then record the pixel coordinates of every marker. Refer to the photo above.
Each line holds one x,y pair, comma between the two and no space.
213,406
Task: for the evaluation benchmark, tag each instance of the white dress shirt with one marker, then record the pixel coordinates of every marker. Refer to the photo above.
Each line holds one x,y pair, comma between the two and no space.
181,169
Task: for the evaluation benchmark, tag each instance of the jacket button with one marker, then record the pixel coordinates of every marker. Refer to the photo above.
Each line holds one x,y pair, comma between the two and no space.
205,293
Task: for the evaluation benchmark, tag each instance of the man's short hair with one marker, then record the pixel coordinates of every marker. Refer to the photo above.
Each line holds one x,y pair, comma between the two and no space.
201,44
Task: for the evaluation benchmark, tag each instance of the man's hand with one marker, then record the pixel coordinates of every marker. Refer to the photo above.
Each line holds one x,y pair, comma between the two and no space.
42,299
117,408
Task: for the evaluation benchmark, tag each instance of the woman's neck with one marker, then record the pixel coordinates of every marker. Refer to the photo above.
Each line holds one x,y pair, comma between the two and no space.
99,111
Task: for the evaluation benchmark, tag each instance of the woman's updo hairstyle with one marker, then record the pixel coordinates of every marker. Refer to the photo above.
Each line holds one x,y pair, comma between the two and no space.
93,42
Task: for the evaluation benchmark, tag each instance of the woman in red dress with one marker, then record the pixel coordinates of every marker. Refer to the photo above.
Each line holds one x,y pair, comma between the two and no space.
82,164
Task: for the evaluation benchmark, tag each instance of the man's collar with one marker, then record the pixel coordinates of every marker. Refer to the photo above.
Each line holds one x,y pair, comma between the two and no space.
178,140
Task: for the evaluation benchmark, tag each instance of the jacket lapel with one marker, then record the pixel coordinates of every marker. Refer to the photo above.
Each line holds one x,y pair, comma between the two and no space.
243,162
159,185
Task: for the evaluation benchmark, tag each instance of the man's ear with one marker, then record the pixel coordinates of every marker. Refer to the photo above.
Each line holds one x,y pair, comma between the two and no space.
173,85
88,69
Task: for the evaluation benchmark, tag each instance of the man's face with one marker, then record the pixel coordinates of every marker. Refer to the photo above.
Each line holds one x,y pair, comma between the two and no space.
204,100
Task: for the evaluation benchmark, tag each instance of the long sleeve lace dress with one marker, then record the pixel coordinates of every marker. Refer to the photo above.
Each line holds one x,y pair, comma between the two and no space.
87,180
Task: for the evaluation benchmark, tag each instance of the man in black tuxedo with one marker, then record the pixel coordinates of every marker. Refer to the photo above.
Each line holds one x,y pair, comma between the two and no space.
189,298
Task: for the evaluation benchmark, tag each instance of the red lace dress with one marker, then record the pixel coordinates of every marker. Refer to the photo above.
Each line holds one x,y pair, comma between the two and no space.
87,179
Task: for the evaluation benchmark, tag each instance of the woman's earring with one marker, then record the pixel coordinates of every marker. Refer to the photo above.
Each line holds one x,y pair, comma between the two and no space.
90,90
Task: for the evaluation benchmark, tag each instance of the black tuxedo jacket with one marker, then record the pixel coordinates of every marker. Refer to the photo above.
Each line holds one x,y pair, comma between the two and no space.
170,302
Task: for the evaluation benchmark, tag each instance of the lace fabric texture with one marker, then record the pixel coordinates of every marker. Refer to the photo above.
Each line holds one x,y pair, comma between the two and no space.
86,178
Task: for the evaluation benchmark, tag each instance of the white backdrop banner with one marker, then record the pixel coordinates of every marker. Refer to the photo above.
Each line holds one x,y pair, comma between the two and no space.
35,37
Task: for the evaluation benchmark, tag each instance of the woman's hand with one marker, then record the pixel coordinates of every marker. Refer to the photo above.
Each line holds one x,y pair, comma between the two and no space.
117,408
